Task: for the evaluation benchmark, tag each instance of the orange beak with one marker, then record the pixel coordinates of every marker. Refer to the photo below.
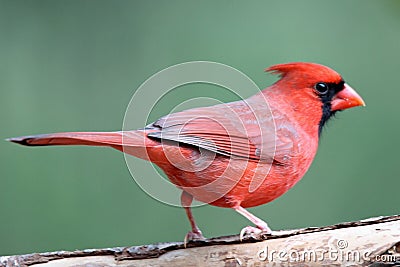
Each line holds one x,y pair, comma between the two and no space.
347,98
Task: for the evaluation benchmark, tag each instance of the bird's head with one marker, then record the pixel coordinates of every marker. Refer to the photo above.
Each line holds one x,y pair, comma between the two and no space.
313,85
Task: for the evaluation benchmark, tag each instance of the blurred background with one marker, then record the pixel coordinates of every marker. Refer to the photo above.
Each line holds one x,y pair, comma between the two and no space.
74,65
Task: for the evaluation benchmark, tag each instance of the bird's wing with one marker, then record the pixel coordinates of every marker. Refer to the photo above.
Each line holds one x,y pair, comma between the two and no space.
243,129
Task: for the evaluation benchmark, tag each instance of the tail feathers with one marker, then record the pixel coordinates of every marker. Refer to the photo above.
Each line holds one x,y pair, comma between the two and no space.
134,143
113,139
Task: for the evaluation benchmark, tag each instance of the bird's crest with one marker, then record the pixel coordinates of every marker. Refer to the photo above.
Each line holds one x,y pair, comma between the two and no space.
305,70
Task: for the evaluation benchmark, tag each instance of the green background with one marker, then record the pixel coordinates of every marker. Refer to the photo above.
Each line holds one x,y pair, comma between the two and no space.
74,65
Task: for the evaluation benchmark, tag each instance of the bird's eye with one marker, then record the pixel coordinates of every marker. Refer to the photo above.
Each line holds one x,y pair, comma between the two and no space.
322,88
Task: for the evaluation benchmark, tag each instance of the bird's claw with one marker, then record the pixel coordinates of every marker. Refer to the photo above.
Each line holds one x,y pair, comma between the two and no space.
193,236
250,231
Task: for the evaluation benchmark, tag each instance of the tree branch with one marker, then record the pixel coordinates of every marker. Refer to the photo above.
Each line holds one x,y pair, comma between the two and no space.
373,241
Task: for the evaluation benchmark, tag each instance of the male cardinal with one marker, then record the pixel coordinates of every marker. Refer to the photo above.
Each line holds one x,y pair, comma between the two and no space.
239,154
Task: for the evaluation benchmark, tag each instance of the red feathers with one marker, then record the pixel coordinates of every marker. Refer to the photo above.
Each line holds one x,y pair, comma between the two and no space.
255,153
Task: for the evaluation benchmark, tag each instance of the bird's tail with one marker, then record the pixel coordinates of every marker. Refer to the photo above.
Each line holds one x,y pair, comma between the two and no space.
131,142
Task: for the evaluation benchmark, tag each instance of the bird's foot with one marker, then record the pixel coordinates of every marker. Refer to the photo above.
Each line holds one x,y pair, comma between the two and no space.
253,232
193,236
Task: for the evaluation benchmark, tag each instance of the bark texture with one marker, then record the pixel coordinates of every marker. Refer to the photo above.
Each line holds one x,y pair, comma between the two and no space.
374,241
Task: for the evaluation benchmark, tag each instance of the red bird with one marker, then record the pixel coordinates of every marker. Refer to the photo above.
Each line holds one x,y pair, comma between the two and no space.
234,155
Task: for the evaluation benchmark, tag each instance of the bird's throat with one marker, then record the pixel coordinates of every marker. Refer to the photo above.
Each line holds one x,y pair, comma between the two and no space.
327,113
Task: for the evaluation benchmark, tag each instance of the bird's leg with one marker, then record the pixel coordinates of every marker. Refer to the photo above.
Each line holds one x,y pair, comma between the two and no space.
195,234
261,225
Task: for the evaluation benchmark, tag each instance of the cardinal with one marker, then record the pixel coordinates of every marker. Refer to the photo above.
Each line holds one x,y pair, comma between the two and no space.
234,155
